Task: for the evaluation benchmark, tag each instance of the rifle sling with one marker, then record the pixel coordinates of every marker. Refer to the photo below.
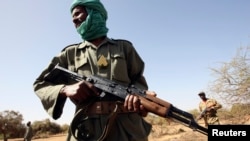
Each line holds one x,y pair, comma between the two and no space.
82,113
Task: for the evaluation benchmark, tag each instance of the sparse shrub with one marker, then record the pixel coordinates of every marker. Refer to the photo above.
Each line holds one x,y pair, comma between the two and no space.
240,109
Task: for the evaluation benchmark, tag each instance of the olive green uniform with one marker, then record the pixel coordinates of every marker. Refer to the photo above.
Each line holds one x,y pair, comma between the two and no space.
210,117
116,60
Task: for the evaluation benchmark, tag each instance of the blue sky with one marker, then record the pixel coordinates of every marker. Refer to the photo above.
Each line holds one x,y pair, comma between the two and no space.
179,40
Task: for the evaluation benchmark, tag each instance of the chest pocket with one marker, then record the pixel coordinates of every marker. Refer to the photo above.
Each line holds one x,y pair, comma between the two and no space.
82,65
119,69
78,62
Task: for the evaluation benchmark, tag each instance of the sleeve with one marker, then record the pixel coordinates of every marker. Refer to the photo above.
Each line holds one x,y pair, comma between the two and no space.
216,105
48,91
200,107
135,67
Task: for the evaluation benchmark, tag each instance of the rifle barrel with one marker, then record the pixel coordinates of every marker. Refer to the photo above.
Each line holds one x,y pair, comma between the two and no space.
186,119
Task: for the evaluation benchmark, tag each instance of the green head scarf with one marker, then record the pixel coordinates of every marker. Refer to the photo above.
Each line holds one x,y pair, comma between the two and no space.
95,24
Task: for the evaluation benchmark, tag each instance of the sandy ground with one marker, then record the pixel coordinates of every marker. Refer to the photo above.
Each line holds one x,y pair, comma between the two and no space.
173,137
162,138
171,133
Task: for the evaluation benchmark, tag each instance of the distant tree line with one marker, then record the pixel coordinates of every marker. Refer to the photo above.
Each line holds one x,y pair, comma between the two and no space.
12,126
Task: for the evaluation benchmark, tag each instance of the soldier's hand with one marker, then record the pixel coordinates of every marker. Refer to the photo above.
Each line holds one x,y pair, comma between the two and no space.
208,109
198,118
151,93
80,91
132,103
143,111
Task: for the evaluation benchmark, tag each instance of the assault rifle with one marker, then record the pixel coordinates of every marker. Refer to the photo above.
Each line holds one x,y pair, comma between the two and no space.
152,104
202,114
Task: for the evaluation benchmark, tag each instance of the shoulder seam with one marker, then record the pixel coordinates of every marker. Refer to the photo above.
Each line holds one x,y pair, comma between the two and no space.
69,46
122,40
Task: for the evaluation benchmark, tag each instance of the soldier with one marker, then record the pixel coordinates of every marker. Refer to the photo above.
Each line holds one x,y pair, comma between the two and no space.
29,132
100,55
209,108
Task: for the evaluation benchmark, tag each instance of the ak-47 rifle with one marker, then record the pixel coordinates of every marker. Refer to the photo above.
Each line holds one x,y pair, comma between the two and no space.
151,104
202,114
204,111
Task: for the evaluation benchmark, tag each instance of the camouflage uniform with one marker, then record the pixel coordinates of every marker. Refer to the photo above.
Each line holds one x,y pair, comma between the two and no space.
120,63
210,117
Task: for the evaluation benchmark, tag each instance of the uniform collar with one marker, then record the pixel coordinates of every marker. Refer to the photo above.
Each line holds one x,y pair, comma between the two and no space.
85,43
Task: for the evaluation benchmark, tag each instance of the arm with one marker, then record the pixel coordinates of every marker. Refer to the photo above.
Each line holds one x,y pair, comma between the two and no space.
200,107
49,93
53,95
213,105
127,69
217,106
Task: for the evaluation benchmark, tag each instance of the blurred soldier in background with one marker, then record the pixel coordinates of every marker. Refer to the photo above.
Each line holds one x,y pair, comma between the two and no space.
208,108
29,132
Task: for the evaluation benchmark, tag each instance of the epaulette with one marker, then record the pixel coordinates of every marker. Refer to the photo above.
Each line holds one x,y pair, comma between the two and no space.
69,46
123,40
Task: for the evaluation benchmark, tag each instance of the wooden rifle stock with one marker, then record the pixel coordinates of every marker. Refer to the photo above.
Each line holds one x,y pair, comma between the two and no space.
152,106
164,109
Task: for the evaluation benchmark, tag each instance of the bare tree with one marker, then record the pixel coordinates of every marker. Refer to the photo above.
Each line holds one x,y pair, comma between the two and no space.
232,83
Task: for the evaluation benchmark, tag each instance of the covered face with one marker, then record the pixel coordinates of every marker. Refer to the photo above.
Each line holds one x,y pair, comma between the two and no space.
94,25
